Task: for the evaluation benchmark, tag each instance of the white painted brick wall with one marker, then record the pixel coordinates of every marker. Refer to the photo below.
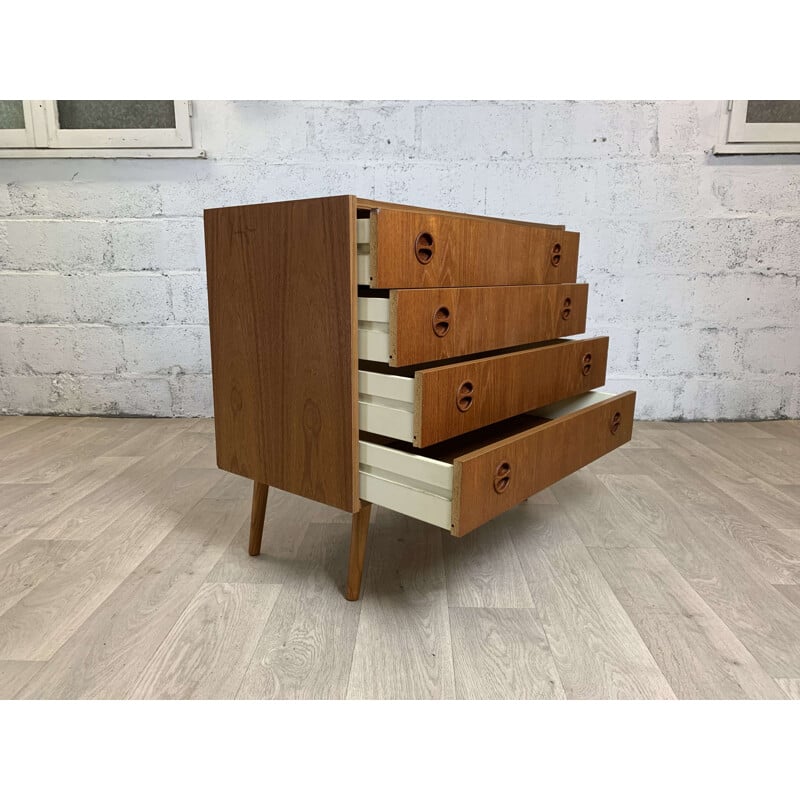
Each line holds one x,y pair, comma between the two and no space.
694,261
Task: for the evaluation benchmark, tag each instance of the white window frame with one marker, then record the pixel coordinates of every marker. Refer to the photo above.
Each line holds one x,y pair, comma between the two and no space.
737,135
43,138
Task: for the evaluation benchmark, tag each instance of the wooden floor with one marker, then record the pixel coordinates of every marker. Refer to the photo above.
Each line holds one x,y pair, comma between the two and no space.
670,568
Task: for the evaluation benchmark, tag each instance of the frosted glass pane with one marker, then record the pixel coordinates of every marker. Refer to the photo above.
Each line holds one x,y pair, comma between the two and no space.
11,114
773,111
115,114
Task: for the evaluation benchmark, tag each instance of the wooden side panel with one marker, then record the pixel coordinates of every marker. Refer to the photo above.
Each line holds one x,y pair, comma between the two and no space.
476,320
467,251
536,459
282,313
457,398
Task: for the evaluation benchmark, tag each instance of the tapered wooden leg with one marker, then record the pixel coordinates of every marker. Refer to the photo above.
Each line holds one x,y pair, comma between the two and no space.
259,509
358,546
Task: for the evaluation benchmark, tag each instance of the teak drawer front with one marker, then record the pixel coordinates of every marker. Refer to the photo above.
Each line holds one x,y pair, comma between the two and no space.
459,485
435,324
410,249
459,398
442,402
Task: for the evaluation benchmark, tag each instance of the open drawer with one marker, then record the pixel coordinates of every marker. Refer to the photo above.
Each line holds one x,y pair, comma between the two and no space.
460,484
438,403
413,326
413,248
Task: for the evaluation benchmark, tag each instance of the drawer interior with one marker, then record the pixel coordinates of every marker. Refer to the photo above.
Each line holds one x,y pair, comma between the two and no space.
362,238
419,483
373,328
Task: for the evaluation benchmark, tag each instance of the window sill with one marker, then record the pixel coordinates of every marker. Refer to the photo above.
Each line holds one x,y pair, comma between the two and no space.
116,152
763,148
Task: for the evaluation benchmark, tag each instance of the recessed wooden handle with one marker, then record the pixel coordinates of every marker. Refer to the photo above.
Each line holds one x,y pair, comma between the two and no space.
464,396
424,247
587,364
441,321
502,476
555,254
566,309
616,421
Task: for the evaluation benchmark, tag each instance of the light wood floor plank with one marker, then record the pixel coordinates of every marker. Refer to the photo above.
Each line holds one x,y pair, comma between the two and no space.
720,572
88,517
119,542
776,461
502,654
596,648
106,655
790,687
10,424
482,569
37,626
40,504
767,502
306,649
28,564
695,650
595,514
403,648
285,525
206,653
15,675
775,554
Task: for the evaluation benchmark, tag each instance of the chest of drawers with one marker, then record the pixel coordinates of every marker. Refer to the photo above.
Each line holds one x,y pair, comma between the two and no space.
365,352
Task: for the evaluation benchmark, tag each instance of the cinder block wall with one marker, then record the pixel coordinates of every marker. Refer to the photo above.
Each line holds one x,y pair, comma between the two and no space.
693,260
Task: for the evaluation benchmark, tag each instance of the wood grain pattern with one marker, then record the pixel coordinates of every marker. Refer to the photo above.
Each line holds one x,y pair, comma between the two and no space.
105,655
282,314
365,206
596,647
696,651
306,648
15,675
767,623
481,319
483,570
537,459
503,386
98,621
468,251
502,654
37,626
207,652
403,612
258,509
774,554
773,506
595,513
358,547
790,687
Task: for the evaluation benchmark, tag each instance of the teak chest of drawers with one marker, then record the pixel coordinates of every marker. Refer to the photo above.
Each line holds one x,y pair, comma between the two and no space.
365,352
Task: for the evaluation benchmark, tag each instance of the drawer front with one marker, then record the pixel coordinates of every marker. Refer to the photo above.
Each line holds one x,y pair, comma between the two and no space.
411,249
492,479
435,324
458,398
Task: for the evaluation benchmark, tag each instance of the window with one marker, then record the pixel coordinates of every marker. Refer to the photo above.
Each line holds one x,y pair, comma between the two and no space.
96,128
759,126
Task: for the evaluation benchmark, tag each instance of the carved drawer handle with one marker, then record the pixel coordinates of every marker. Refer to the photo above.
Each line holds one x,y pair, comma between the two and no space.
616,421
502,476
587,364
565,308
555,254
464,396
424,247
441,321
